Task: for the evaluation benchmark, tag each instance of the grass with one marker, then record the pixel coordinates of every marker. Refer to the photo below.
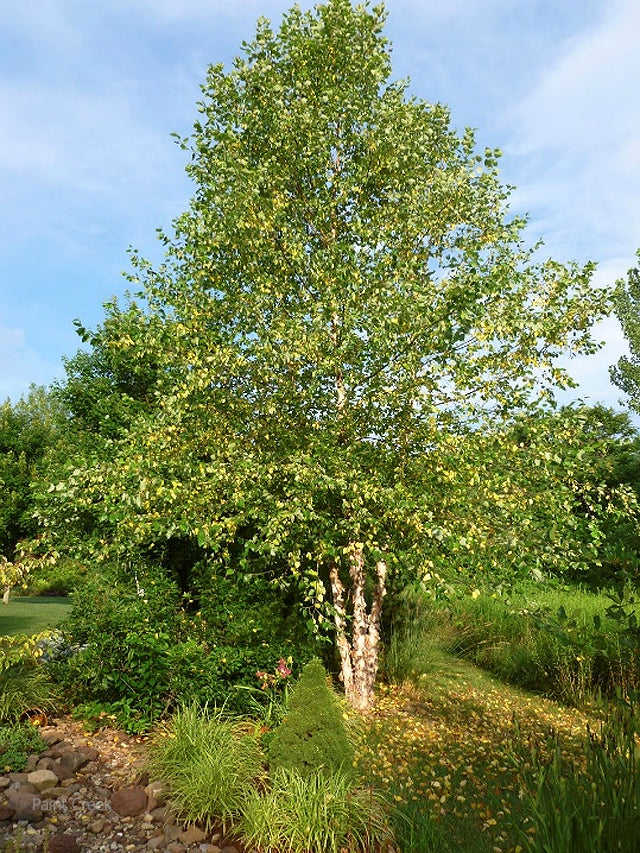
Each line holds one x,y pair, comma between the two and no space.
31,615
209,763
521,638
443,751
315,813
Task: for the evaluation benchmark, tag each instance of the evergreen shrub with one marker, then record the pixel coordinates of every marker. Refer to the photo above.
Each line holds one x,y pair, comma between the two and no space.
313,736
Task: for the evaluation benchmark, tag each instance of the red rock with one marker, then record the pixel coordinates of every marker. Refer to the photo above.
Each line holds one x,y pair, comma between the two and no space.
63,842
25,805
129,802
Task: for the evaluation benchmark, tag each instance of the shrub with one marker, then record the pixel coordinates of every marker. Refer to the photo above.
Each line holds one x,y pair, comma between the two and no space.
140,651
24,683
209,764
17,741
315,813
248,611
313,735
59,580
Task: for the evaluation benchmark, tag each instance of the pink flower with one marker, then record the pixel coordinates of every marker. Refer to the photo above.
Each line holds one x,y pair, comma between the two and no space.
282,669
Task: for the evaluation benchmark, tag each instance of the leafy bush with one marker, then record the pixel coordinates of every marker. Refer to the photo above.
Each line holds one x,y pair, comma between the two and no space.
246,610
315,813
24,682
139,653
59,580
209,764
18,741
313,735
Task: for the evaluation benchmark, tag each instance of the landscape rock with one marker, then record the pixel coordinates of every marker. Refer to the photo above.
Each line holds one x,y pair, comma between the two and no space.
25,805
157,793
42,779
64,843
193,835
172,832
6,813
129,801
89,752
74,759
50,736
59,748
62,771
31,764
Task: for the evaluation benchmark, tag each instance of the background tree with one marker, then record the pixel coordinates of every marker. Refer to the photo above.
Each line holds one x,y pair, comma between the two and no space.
28,430
551,494
626,373
345,292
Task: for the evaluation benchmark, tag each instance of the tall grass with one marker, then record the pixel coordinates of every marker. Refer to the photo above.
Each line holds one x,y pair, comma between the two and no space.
416,831
317,813
210,765
594,808
413,647
521,639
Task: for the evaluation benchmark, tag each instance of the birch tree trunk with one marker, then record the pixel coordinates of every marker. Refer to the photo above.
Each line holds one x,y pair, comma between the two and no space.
359,652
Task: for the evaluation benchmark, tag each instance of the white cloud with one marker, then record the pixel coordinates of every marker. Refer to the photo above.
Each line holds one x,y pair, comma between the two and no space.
588,98
577,139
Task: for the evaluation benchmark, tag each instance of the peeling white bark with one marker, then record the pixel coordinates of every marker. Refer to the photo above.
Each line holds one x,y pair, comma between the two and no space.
358,658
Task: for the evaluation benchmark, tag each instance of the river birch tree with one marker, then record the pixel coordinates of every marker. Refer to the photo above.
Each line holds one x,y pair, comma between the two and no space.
346,290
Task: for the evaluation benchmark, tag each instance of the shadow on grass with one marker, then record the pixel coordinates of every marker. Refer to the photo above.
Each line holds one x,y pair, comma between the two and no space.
31,615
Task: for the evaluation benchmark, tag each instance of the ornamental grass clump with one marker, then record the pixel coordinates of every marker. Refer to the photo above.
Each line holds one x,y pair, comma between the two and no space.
312,737
317,813
210,765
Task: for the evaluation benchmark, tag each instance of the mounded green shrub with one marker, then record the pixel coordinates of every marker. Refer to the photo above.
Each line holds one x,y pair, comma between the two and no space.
313,735
140,653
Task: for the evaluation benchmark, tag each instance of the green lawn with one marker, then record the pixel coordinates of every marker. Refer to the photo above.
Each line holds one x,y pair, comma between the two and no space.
32,615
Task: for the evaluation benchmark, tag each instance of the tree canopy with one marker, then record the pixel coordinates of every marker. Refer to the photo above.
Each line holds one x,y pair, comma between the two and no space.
28,431
345,293
626,373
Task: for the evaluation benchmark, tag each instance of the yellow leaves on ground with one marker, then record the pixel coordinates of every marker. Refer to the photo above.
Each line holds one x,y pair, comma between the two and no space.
463,751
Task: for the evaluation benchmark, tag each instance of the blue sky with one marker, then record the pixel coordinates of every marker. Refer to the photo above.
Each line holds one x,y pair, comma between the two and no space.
90,93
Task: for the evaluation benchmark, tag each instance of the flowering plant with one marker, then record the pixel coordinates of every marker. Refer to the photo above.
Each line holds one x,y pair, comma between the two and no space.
276,679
